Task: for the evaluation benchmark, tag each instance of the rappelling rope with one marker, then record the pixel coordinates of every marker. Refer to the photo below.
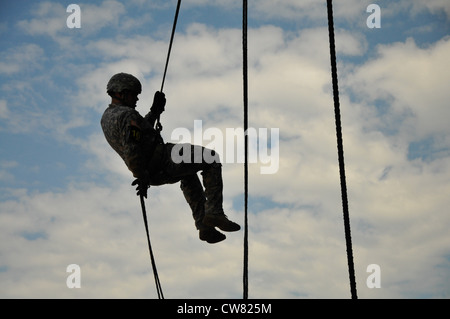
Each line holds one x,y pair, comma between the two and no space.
245,89
158,123
142,193
348,238
152,258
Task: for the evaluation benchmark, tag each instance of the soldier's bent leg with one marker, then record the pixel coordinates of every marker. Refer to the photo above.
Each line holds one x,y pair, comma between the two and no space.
214,214
194,195
201,159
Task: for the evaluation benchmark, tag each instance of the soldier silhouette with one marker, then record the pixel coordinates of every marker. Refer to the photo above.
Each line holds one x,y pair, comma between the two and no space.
151,160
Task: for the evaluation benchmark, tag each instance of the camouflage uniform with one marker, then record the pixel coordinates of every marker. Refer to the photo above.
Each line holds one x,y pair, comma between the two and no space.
149,158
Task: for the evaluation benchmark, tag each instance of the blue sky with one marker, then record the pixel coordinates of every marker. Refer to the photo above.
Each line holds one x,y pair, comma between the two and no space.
66,196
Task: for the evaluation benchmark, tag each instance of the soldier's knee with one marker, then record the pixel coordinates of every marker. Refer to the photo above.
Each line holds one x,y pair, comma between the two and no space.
188,181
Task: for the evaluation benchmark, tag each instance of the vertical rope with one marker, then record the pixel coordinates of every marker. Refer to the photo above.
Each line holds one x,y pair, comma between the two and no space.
171,42
152,258
174,26
348,238
245,89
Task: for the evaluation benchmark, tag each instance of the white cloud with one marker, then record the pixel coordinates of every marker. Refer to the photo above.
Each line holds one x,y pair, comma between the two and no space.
310,11
4,111
27,57
108,14
50,19
434,6
290,9
413,80
5,166
220,3
353,11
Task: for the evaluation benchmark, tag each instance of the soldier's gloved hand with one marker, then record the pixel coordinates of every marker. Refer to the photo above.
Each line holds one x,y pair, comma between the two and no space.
141,188
159,102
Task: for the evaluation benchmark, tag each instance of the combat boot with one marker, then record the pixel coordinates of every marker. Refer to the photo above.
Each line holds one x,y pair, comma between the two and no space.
214,215
221,221
195,197
210,235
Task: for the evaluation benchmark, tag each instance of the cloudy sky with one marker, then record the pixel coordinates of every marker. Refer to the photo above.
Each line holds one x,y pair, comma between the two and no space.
66,198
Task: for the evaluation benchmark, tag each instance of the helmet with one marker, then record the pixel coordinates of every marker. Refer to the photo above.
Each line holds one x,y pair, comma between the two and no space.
123,82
